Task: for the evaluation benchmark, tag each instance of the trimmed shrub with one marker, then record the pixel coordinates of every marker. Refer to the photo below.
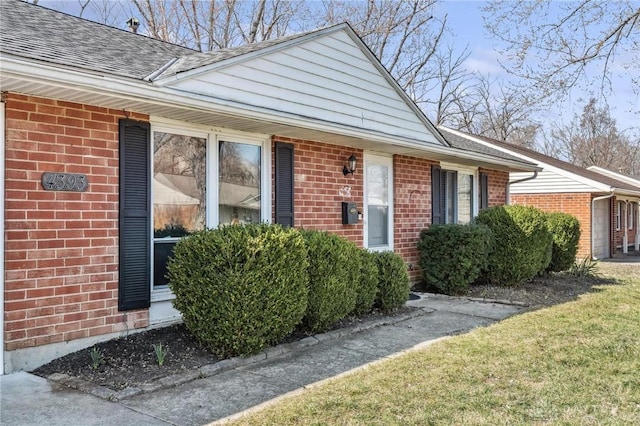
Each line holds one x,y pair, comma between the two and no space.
522,244
240,288
565,230
393,281
452,256
366,283
332,293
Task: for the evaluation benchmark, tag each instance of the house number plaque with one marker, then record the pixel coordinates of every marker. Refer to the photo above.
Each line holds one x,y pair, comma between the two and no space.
64,182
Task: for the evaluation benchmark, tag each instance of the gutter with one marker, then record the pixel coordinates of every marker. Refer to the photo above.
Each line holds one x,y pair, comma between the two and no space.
593,203
508,198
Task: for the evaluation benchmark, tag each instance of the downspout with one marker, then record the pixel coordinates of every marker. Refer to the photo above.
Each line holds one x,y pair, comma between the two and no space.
593,209
508,195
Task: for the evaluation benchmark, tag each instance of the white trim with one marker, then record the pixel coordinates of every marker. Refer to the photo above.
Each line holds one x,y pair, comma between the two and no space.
387,161
2,206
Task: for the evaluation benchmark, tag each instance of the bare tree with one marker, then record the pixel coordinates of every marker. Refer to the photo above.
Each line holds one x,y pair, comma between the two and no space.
494,109
593,139
553,45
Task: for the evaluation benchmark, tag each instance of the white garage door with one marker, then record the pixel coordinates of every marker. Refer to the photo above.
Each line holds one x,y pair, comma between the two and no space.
601,229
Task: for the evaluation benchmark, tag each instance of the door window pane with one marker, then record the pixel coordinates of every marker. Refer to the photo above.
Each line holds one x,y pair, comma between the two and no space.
378,205
178,191
239,200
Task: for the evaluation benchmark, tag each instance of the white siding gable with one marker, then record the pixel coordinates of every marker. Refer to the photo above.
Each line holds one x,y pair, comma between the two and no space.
549,181
328,79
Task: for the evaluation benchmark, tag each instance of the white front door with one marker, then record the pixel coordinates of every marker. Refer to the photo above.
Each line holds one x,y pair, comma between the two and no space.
378,209
600,229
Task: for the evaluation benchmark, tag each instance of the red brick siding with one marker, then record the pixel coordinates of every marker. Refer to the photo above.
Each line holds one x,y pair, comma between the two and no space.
412,213
320,187
61,278
497,186
576,204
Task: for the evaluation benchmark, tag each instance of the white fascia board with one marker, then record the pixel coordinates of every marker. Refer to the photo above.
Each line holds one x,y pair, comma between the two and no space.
130,89
619,176
597,186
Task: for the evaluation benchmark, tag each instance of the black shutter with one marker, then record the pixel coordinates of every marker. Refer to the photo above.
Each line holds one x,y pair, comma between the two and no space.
437,197
284,184
134,289
484,191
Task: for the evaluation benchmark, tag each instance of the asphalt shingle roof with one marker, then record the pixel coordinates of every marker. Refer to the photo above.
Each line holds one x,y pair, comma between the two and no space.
470,145
572,168
39,33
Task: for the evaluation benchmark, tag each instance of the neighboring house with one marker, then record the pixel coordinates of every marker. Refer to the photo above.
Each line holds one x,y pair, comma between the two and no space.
116,145
606,203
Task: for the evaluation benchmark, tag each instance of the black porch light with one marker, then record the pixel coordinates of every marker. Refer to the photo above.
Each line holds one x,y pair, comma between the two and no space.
350,167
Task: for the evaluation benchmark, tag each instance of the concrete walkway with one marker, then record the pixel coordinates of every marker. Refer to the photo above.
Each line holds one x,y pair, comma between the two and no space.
29,400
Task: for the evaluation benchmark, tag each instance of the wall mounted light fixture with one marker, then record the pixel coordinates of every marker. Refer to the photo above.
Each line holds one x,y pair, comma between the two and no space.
350,167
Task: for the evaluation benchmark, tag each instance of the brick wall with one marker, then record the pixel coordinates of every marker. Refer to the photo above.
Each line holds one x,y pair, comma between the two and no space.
320,187
497,186
576,204
61,265
412,199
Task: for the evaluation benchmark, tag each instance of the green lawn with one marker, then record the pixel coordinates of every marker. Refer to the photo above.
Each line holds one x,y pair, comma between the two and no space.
577,363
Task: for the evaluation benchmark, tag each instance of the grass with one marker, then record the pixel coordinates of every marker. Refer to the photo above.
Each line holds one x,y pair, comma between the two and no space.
576,363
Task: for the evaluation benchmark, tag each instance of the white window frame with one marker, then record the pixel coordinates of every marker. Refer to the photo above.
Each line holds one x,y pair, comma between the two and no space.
368,159
213,137
630,210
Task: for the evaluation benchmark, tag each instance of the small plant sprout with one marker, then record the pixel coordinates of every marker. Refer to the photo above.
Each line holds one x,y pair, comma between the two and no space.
97,358
161,352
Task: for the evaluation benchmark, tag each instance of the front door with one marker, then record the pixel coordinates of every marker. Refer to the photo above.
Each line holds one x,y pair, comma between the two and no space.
378,209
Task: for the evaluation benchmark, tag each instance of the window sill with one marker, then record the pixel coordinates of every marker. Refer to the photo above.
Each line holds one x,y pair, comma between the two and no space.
162,294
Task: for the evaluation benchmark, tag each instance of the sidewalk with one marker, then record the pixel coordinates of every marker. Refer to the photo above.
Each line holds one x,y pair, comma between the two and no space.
29,400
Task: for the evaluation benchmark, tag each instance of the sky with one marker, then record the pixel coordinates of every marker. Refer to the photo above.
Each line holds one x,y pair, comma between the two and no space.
465,21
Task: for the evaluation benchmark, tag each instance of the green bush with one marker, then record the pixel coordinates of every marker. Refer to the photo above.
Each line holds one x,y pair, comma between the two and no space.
393,281
332,294
240,288
522,244
451,257
366,283
565,230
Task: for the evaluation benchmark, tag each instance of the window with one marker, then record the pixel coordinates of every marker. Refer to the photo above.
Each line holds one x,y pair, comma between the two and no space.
619,216
178,194
452,195
379,202
203,180
239,186
630,209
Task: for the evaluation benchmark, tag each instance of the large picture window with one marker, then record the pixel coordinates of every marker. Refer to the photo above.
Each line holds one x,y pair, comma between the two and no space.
202,180
178,194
